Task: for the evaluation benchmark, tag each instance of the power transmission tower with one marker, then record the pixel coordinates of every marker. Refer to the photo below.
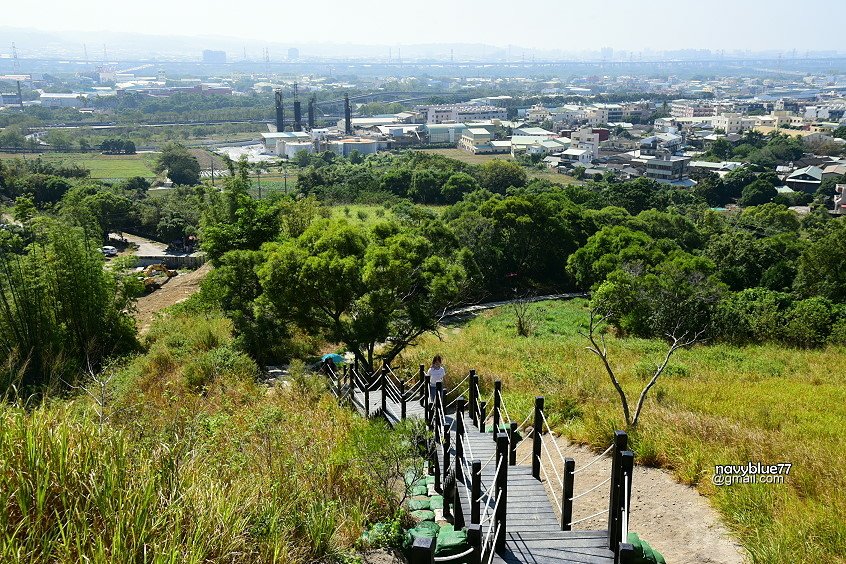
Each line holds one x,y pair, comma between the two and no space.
15,63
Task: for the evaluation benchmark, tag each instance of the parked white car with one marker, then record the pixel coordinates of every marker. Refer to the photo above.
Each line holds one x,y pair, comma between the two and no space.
109,251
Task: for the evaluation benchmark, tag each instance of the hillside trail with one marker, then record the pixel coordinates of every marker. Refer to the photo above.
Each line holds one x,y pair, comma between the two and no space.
673,518
177,289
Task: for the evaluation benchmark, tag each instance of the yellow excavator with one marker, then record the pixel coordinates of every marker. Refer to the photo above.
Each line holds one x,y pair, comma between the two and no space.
155,275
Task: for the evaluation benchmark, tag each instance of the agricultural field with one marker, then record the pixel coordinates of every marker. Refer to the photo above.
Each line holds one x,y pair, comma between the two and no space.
716,404
102,167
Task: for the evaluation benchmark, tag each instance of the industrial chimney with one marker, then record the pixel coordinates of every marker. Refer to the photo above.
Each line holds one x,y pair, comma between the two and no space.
280,112
347,115
311,113
298,118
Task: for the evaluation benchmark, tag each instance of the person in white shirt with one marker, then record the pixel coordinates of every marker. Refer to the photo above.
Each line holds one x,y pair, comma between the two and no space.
437,373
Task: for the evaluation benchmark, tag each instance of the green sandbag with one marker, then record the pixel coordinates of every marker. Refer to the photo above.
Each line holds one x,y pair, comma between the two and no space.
430,480
451,541
425,529
436,502
419,502
423,515
644,553
419,490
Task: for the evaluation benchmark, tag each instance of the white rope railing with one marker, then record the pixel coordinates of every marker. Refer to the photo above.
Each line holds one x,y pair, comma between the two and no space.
548,481
554,442
594,461
465,446
484,546
583,519
624,536
548,454
584,493
467,552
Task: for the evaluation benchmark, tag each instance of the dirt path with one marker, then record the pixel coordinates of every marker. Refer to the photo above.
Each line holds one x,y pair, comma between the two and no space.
671,517
176,290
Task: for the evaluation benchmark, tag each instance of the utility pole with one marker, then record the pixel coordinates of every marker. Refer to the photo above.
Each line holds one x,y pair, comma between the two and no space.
211,158
15,63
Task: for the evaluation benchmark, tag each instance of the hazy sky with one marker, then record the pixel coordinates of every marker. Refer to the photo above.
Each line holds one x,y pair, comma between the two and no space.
543,24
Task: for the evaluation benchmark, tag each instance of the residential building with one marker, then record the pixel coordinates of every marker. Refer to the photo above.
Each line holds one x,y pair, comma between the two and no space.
667,168
604,113
691,108
806,179
479,141
834,170
463,113
586,138
582,157
666,142
728,122
840,199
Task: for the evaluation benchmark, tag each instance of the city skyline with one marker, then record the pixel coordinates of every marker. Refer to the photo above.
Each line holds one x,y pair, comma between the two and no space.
660,25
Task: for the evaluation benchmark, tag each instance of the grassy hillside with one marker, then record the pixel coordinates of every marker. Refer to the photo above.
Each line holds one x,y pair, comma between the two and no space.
715,405
184,458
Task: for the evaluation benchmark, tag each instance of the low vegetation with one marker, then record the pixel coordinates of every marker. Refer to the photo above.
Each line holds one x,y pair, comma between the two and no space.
715,404
183,457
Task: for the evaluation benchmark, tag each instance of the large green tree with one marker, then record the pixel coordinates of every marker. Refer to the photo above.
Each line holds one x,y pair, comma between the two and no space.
374,290
181,166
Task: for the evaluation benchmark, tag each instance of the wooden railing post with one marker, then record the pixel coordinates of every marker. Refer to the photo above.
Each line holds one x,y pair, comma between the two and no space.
497,406
474,397
439,408
621,442
423,550
403,399
512,438
437,466
567,495
475,491
482,413
474,539
501,489
537,438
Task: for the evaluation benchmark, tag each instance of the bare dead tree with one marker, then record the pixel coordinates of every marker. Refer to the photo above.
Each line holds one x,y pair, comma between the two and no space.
526,317
676,340
98,389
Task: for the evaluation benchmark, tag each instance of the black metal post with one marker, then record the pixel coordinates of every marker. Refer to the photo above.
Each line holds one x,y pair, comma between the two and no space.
367,397
402,401
537,438
625,554
459,435
423,550
352,385
427,407
474,539
501,490
512,438
626,470
384,378
482,407
497,406
621,441
567,496
474,397
445,470
475,491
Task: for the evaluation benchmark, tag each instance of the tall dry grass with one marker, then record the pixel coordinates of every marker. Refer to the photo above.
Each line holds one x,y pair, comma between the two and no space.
716,404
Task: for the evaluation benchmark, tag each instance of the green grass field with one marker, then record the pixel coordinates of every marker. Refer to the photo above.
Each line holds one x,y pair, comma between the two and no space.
101,166
716,404
470,158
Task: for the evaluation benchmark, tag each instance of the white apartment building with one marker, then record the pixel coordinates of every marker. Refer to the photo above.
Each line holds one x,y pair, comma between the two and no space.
691,108
457,113
728,122
604,113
